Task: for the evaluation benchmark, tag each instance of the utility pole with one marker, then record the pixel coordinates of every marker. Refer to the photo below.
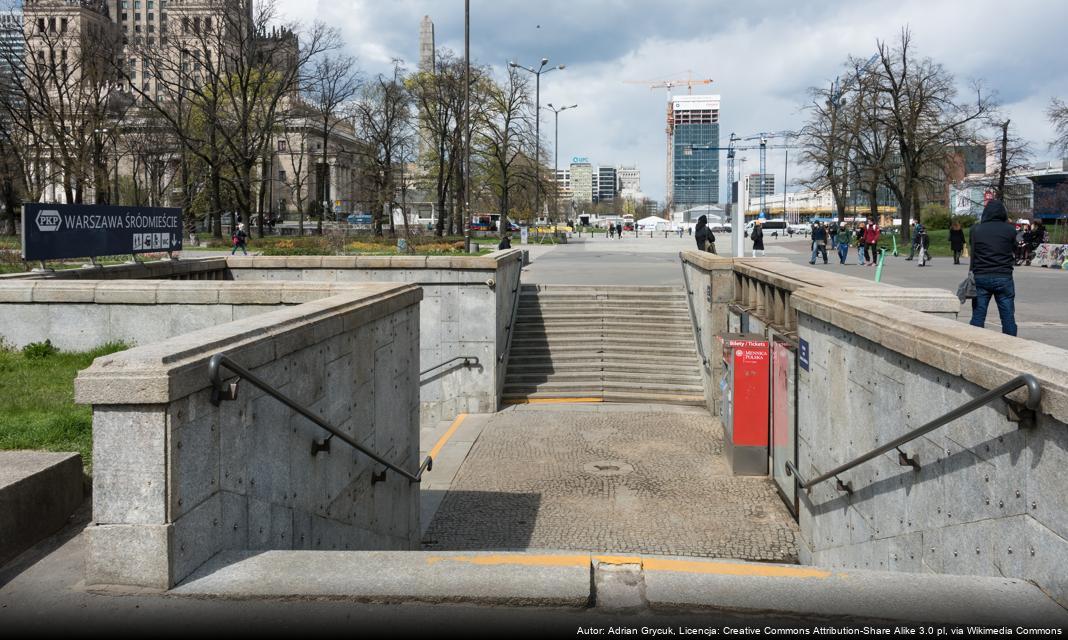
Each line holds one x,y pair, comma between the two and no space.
467,121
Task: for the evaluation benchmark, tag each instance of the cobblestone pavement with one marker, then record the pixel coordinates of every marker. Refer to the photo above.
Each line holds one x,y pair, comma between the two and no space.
612,478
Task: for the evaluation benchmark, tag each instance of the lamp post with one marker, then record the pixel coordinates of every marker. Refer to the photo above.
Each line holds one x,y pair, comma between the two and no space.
537,123
556,155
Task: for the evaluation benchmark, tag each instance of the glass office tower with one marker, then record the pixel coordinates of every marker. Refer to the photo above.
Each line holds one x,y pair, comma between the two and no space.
693,121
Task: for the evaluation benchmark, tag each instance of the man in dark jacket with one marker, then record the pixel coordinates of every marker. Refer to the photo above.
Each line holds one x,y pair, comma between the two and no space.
819,243
706,241
992,243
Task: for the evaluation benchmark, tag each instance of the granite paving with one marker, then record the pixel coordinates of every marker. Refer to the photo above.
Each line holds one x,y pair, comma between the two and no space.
609,478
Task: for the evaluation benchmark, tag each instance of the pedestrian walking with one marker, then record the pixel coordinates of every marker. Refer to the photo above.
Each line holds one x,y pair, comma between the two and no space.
923,242
871,242
956,241
844,237
819,243
992,242
619,230
916,229
858,233
758,239
611,231
706,241
239,240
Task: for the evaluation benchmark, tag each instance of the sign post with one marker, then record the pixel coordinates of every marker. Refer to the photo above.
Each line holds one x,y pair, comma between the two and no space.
57,231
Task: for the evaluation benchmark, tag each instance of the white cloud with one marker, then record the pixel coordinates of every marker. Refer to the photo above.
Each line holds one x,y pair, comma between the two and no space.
762,54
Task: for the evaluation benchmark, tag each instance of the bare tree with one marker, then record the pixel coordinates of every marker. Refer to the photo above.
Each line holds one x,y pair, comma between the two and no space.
1013,155
329,87
224,79
383,119
504,131
1058,117
922,112
827,141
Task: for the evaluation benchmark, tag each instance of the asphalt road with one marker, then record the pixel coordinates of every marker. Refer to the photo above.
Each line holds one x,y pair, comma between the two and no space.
1041,294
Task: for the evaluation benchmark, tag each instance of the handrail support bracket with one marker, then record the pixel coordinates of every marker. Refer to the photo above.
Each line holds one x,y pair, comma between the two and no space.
844,487
1018,412
905,460
227,393
320,446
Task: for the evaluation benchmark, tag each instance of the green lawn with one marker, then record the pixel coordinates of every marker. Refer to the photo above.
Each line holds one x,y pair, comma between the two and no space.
37,409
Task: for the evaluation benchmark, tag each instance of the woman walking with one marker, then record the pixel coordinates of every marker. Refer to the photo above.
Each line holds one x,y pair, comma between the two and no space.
758,239
956,241
859,233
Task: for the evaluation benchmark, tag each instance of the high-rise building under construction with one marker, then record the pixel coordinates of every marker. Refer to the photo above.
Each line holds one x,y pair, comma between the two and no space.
693,171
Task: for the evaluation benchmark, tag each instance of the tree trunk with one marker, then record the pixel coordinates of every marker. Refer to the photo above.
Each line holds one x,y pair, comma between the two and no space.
999,191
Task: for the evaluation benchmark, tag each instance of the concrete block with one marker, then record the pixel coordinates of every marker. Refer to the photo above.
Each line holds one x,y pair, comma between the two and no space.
67,292
15,291
130,464
234,520
188,292
136,555
193,463
197,536
78,327
38,492
139,293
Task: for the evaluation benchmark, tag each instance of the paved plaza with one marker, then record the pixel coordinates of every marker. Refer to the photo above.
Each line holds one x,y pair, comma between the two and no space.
1041,294
609,478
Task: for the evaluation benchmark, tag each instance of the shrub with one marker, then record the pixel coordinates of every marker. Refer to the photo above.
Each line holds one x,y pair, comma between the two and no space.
935,216
38,350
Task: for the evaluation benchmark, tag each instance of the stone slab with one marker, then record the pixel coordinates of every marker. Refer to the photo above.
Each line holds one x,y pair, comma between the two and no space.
38,493
383,576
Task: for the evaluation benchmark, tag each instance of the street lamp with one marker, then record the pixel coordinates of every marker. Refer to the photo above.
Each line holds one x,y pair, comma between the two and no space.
556,155
537,123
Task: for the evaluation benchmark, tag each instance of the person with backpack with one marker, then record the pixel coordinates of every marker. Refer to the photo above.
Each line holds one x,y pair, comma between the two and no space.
993,244
758,239
819,242
239,240
844,237
706,241
956,241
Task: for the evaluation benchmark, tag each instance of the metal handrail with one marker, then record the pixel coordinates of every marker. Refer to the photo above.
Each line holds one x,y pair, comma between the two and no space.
1020,413
469,361
693,316
515,311
219,393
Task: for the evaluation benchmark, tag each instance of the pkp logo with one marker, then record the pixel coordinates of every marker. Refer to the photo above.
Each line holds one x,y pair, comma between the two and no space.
48,220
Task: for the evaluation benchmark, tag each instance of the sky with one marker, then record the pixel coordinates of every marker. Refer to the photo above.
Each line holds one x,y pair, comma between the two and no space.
762,56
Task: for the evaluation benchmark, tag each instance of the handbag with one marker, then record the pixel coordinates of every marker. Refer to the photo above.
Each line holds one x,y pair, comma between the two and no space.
966,289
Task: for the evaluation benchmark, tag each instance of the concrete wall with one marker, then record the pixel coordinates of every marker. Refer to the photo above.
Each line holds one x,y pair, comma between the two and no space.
78,316
177,480
711,281
467,305
989,498
186,269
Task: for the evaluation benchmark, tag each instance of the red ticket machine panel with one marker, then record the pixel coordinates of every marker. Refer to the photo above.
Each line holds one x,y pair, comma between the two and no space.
746,389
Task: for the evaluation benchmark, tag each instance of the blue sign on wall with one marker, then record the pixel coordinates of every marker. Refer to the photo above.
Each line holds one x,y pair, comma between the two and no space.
54,231
802,354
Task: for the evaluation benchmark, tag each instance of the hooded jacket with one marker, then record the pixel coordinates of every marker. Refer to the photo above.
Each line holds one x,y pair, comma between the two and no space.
993,241
702,233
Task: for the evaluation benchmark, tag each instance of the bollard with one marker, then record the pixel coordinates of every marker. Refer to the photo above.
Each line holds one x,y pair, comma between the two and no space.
467,244
879,267
894,238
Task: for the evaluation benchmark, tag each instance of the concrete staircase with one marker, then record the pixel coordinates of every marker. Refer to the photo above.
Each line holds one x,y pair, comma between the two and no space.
613,344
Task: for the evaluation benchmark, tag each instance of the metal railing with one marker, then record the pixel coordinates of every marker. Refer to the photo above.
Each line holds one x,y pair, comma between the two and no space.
1024,414
693,316
221,392
469,361
515,312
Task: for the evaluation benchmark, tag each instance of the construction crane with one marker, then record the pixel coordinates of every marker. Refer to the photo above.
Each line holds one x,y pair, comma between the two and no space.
763,137
689,83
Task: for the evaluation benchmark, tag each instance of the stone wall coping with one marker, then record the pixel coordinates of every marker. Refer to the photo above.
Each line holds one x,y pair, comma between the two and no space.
177,367
981,356
707,261
492,261
149,292
792,277
155,269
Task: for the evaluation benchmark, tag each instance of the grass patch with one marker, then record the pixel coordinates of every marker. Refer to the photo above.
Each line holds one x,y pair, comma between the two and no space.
331,244
37,409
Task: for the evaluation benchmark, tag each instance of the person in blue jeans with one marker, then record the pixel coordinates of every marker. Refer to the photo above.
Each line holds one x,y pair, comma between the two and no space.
993,241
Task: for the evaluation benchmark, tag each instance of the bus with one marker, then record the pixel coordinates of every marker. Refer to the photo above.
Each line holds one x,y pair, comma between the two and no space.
776,224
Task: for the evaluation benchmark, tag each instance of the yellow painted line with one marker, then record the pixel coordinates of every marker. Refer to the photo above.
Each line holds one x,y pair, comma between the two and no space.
553,400
518,559
448,434
731,568
753,569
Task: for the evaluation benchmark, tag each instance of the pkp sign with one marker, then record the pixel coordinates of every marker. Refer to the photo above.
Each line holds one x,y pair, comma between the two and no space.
48,220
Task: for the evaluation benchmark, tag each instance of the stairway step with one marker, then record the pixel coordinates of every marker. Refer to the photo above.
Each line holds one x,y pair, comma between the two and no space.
643,397
521,367
598,377
619,387
665,334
